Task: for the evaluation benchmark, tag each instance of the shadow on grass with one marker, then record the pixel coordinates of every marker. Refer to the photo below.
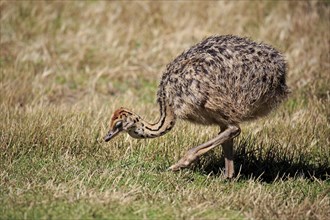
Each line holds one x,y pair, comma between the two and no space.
253,160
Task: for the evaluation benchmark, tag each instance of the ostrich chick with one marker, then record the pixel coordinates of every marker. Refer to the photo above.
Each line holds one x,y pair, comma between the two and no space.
223,81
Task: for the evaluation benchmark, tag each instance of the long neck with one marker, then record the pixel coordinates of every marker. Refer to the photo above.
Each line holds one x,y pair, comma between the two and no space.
165,123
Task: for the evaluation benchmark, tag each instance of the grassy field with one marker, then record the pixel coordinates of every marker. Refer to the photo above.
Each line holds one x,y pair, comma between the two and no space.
66,66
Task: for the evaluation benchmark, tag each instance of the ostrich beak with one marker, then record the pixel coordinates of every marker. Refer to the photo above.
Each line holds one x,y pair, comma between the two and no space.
110,135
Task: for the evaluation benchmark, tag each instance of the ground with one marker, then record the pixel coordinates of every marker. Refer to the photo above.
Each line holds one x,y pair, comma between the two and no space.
66,66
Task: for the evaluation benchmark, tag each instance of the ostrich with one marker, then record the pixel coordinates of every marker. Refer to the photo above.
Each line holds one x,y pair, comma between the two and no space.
223,81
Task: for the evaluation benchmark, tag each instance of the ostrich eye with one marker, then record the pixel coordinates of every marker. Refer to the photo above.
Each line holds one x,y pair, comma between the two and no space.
119,124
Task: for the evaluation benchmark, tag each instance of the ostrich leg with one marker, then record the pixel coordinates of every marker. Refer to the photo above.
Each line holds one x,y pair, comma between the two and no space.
225,138
228,151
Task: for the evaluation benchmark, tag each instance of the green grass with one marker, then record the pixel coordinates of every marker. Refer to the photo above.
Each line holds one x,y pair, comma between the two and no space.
66,66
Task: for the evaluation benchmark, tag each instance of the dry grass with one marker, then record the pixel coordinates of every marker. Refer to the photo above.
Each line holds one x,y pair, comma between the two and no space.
65,66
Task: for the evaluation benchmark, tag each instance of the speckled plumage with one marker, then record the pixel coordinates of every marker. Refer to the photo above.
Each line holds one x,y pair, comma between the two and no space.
223,80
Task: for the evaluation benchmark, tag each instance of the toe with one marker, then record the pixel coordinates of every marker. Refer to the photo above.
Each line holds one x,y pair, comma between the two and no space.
174,167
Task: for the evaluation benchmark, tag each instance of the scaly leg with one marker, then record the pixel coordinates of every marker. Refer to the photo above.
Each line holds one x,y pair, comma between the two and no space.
228,151
228,134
